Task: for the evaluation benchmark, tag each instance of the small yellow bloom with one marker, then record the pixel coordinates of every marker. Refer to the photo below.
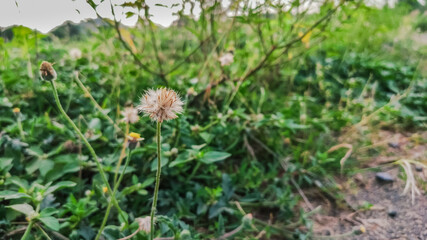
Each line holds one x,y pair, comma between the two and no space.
133,140
104,189
362,229
16,110
135,135
28,219
306,38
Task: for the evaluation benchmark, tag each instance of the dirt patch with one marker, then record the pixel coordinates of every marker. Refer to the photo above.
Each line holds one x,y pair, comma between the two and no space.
378,210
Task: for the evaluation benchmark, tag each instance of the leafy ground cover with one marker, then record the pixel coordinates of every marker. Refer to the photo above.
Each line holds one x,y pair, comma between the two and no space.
276,103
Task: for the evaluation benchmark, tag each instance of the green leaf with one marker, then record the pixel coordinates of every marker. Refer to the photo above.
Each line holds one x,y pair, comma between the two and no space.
214,156
48,212
60,185
50,222
24,208
163,162
7,194
5,164
182,158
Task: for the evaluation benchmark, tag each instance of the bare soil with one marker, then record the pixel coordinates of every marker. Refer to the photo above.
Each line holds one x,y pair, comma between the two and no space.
369,204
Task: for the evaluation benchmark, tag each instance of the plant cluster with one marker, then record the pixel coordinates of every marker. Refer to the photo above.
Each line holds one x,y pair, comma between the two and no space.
262,92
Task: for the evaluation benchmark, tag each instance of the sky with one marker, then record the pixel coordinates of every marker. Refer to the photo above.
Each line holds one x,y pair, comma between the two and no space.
45,15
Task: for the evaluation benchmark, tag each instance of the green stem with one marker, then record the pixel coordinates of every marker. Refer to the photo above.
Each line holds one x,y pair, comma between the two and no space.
107,212
156,189
21,130
27,232
92,152
44,233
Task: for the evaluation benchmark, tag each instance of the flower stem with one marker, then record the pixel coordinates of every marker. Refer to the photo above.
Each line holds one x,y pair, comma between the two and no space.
107,212
156,189
92,152
21,130
122,154
27,232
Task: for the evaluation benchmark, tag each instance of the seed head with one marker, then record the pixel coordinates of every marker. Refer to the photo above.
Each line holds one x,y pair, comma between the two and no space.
161,104
75,53
130,115
144,224
226,59
47,72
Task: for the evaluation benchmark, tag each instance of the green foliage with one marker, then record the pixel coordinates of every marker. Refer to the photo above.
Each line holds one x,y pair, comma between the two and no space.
251,130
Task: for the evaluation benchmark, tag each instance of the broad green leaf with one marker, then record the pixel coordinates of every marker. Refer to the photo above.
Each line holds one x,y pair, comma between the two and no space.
214,156
163,162
182,158
48,212
60,185
5,163
24,208
19,182
50,222
7,194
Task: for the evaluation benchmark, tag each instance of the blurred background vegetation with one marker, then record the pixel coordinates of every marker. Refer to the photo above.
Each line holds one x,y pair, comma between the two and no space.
269,88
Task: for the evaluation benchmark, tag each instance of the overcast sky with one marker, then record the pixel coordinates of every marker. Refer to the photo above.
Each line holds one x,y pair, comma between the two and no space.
44,15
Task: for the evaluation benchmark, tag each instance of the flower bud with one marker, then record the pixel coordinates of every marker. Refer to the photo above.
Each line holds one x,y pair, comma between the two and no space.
47,72
185,235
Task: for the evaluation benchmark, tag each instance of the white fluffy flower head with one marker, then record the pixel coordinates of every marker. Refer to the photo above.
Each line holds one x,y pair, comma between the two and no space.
130,115
226,59
161,104
144,224
75,53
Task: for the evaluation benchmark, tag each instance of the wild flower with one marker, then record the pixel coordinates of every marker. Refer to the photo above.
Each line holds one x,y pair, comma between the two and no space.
47,72
16,110
130,115
133,140
226,59
104,189
191,92
161,104
75,53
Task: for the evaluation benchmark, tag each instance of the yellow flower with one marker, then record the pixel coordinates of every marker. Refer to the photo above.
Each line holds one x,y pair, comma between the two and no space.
135,135
306,38
134,139
104,189
362,229
16,110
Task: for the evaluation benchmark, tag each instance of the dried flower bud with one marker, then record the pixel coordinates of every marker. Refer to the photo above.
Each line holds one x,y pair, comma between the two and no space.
47,72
